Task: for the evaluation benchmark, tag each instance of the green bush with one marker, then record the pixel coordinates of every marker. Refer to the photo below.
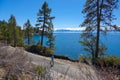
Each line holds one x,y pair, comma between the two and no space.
40,50
49,51
82,59
109,61
112,60
85,59
40,70
35,49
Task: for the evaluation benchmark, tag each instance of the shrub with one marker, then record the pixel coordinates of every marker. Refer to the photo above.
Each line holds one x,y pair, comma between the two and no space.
85,59
35,49
112,60
49,51
40,70
108,68
82,58
109,61
40,50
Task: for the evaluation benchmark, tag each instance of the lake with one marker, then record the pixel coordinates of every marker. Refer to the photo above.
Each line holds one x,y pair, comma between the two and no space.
67,44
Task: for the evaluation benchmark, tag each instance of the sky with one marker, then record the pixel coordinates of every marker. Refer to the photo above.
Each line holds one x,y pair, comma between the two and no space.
67,12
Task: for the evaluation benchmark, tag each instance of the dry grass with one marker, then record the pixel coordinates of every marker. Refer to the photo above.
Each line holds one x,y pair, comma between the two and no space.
15,65
108,73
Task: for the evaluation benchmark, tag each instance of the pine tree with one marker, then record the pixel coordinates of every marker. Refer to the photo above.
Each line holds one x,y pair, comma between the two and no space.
51,38
12,30
36,30
11,33
43,20
99,13
20,36
4,30
28,32
88,40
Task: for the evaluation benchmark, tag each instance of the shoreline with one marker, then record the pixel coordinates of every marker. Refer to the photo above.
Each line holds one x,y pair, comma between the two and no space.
57,57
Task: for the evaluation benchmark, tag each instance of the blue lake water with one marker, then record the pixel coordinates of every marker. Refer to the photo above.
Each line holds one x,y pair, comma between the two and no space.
67,44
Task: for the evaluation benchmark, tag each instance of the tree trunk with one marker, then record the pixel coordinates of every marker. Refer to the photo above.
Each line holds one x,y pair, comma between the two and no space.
42,35
99,11
98,30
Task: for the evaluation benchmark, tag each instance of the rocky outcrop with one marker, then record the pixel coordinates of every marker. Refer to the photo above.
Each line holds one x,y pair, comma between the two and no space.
61,70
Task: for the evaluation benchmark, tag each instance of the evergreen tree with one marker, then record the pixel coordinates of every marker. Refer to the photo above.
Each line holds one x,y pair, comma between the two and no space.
15,34
4,30
36,30
43,20
99,13
11,33
12,30
51,38
88,40
20,36
28,32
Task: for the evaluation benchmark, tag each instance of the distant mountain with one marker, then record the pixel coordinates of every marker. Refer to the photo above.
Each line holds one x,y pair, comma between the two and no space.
68,29
79,29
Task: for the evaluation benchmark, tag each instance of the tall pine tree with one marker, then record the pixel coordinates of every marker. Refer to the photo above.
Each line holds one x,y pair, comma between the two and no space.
99,13
7,33
43,20
12,30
